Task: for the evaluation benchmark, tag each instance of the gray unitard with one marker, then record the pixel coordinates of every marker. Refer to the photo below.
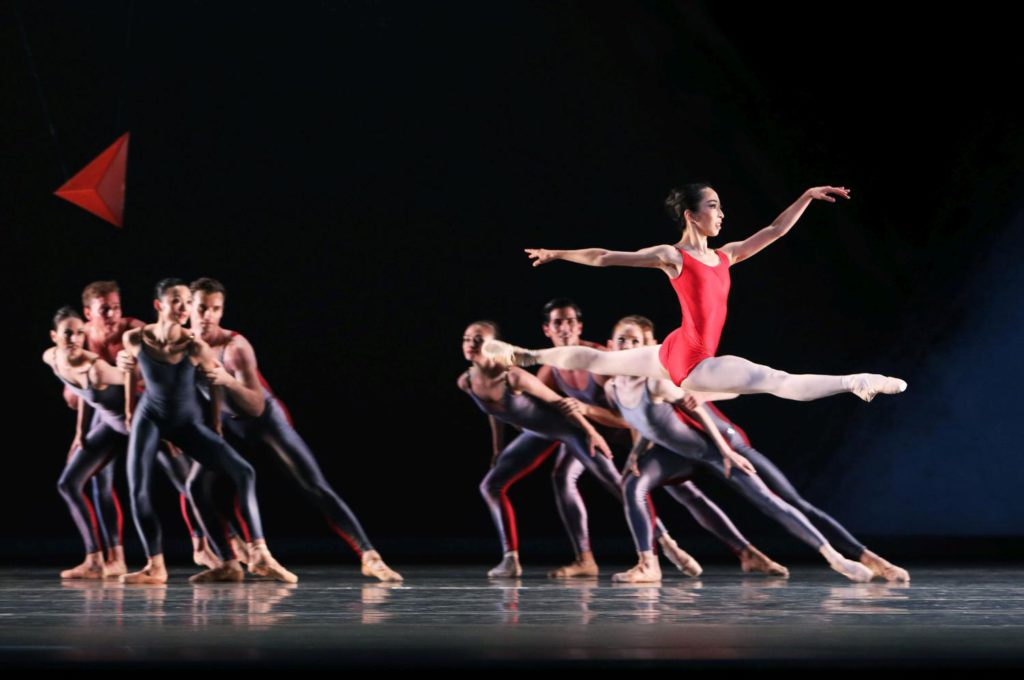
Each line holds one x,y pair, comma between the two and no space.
102,442
568,470
169,409
680,449
273,431
107,429
541,425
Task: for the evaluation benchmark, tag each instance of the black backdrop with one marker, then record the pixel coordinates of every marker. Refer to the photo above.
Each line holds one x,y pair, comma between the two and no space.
364,175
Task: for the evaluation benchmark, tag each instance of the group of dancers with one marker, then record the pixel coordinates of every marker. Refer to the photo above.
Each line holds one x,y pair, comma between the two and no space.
663,394
192,401
189,400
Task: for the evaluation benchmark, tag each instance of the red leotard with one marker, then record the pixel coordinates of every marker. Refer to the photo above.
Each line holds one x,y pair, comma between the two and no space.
703,292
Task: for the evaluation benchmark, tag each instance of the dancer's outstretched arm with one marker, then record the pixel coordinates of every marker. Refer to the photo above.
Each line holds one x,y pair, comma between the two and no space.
523,381
663,257
737,251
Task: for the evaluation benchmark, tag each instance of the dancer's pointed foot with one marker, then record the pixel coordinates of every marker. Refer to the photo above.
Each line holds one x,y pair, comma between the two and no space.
264,564
154,573
509,567
374,567
882,568
855,571
228,572
92,568
647,570
753,560
683,560
115,569
241,549
868,385
582,567
115,564
203,555
507,355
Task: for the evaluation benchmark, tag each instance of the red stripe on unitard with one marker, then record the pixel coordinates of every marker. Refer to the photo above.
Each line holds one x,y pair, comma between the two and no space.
241,521
733,425
506,506
654,522
120,516
92,520
183,501
348,539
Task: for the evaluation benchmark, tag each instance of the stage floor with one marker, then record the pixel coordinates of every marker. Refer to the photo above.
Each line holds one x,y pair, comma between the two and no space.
947,617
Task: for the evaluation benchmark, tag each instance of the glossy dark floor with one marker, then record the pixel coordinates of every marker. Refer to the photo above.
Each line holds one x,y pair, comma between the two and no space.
454,616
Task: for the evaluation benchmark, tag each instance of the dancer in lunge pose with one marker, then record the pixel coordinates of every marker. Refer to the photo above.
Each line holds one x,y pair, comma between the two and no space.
167,356
255,418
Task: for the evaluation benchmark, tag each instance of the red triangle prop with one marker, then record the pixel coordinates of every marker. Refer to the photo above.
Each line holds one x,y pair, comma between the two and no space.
99,186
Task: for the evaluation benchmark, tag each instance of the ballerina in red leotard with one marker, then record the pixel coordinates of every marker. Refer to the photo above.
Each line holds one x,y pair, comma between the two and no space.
700,277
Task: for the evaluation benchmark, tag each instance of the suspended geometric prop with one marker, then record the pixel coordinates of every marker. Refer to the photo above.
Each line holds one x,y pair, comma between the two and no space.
99,186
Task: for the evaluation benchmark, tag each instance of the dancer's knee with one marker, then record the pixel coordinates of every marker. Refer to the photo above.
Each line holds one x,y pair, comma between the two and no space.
67,487
490,489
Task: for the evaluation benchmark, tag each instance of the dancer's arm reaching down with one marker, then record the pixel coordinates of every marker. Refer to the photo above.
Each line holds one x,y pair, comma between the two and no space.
737,251
663,257
667,391
132,342
203,357
523,381
729,457
497,438
497,427
640,447
84,415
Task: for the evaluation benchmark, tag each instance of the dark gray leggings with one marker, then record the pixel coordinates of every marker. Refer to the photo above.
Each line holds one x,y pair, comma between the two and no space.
712,518
272,432
205,447
659,467
836,533
99,446
523,455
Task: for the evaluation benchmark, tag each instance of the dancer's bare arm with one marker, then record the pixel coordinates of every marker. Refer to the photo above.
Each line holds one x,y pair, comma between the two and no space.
103,373
202,355
737,251
640,447
609,418
523,381
242,382
81,418
497,427
663,257
497,438
132,342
